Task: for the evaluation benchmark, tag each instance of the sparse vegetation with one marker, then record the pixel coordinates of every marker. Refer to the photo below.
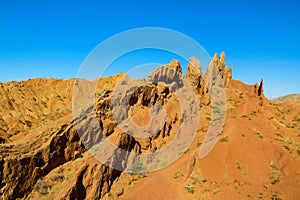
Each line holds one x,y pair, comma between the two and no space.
279,134
42,187
276,174
275,196
204,180
260,135
186,151
246,117
216,192
190,189
224,139
253,113
297,120
230,109
203,129
266,186
239,166
177,175
287,148
287,142
49,124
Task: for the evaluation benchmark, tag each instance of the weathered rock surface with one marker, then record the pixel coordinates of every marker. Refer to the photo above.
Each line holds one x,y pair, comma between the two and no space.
44,148
169,74
220,62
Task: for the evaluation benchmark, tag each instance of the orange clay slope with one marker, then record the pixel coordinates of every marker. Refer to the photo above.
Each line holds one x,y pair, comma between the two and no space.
257,156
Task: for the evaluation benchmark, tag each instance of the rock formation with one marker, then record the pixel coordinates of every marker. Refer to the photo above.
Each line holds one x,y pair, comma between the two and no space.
260,90
42,150
225,73
195,77
170,74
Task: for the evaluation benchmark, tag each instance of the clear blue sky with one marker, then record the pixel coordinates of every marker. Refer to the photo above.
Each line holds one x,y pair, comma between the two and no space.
52,38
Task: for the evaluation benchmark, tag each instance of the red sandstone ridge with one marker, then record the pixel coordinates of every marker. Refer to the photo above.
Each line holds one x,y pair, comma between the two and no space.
257,155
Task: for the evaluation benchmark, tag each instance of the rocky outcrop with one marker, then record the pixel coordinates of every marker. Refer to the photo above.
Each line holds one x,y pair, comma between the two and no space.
175,65
51,140
196,79
28,104
194,73
220,62
169,74
260,90
92,179
202,83
23,164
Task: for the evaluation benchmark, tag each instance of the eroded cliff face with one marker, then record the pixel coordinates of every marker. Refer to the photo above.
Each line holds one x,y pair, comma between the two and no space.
26,160
45,155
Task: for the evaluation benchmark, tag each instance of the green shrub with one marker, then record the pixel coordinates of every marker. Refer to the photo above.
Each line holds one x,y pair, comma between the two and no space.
190,189
261,136
177,175
275,196
276,174
239,166
224,139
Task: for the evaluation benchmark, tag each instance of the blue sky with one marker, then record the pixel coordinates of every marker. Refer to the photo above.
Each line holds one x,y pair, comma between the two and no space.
52,38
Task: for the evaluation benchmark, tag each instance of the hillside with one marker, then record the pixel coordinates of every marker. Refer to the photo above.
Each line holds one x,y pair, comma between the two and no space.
290,97
45,136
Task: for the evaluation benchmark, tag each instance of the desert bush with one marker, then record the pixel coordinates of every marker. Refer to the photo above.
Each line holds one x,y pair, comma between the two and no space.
260,135
275,196
239,166
276,174
177,175
190,189
224,139
297,119
287,147
42,187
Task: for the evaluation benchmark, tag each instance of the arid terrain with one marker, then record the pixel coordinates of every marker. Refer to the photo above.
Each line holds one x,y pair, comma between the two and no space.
291,97
257,155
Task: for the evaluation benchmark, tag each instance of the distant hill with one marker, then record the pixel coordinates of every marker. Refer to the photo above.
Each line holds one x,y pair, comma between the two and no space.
292,97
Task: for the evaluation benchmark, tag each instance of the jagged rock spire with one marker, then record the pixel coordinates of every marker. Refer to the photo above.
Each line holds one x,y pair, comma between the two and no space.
169,74
175,64
194,72
260,90
226,74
